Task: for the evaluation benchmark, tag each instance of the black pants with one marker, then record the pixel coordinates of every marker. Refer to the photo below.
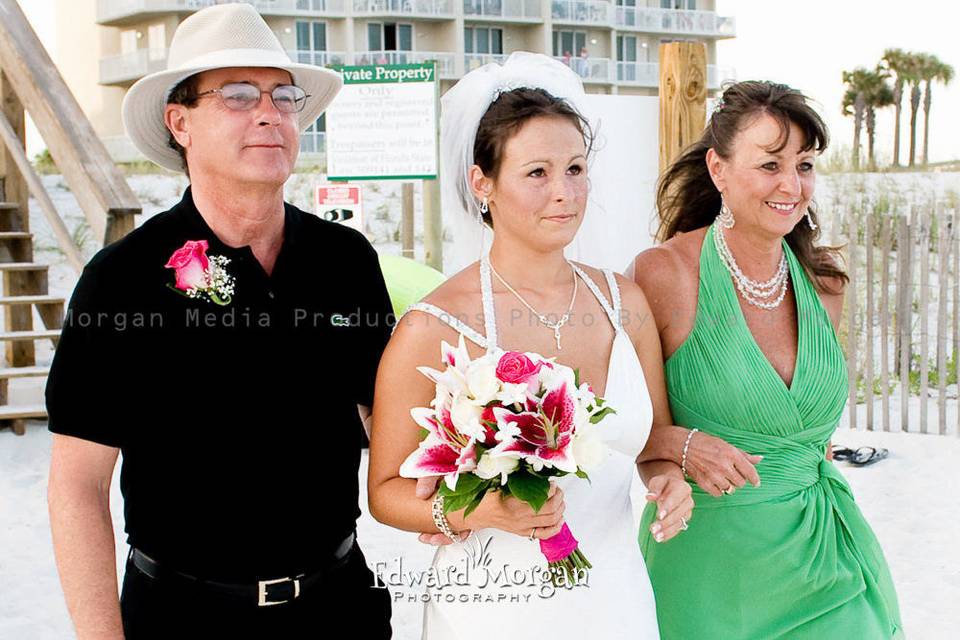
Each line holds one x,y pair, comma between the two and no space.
173,609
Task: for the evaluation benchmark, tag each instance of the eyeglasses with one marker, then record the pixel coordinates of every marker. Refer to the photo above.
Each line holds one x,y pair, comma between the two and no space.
243,96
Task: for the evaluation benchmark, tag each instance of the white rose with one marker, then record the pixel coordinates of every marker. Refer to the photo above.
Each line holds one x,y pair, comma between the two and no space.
482,381
465,414
588,450
490,467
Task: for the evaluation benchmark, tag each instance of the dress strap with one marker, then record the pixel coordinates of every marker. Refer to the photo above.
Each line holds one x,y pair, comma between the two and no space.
611,316
617,302
449,319
489,312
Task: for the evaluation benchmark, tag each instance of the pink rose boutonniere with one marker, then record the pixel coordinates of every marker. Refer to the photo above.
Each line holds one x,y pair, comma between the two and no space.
199,275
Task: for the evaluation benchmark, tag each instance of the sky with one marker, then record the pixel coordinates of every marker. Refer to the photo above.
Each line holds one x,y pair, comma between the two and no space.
809,44
805,44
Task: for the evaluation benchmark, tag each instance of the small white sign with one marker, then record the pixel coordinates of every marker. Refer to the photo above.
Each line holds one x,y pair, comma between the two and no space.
383,124
341,203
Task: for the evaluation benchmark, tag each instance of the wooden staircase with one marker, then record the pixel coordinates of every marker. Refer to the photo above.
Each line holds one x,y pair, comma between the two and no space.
30,82
24,289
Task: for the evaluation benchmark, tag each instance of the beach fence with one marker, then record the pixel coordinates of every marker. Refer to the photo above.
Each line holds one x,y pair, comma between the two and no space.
901,326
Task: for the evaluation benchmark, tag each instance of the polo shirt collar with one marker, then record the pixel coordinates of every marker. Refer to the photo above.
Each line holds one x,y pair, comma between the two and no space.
199,227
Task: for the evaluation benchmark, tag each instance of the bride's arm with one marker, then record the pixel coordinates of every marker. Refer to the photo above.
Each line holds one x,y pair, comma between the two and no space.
394,435
661,475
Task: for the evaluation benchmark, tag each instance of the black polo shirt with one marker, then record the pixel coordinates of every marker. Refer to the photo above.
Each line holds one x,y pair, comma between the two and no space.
238,424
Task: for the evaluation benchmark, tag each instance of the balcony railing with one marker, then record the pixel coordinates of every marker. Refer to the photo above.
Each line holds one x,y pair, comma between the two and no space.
501,9
109,11
598,12
132,66
647,74
675,21
473,61
418,8
446,62
318,58
591,69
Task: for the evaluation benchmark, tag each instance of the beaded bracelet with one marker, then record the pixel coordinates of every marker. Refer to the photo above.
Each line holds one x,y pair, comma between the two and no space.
683,459
441,520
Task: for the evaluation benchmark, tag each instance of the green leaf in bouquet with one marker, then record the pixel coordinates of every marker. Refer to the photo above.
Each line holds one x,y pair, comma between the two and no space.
600,415
467,483
531,489
576,378
583,475
423,433
457,501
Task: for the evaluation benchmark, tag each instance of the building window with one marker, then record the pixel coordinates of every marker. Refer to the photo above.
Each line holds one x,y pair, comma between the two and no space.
311,140
569,43
389,36
626,58
689,5
483,40
312,42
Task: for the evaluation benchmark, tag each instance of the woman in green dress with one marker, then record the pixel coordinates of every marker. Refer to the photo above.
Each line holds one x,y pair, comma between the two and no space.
747,307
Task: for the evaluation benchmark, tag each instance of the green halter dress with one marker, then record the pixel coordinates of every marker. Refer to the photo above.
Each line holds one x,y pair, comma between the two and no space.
793,558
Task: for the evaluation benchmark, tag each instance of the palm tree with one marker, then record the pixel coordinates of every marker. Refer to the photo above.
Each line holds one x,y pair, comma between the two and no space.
932,70
897,62
917,62
866,92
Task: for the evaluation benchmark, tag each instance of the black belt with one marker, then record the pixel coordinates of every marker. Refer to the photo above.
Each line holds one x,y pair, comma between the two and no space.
264,591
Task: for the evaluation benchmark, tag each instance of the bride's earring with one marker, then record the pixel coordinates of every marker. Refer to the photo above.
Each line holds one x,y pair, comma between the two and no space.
726,216
484,208
813,225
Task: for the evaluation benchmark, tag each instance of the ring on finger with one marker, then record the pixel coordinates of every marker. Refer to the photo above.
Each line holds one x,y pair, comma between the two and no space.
683,524
532,535
729,490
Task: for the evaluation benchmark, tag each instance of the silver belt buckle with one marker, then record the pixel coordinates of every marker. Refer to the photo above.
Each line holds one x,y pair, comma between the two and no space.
262,591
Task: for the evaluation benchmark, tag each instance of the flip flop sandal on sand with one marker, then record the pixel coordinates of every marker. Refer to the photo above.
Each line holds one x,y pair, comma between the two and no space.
841,453
867,455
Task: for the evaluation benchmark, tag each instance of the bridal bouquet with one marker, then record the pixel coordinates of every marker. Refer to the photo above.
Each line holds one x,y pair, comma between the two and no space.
508,422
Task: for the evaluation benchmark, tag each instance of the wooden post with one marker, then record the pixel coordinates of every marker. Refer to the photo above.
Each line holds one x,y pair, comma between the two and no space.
869,317
852,315
925,228
683,97
943,280
904,315
432,225
14,184
406,221
885,321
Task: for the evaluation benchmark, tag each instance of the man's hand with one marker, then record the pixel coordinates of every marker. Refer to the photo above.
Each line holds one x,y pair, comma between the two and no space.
426,487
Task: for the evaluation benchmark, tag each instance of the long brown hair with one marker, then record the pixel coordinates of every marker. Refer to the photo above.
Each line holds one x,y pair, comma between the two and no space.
687,199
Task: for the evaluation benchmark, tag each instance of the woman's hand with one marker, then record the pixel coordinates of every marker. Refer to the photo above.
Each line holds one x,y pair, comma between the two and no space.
516,516
674,499
718,467
507,514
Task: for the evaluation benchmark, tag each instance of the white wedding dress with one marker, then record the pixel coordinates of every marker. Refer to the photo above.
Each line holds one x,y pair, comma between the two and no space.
617,601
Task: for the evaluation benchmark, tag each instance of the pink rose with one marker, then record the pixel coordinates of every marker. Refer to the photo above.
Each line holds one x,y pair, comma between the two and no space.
515,367
191,264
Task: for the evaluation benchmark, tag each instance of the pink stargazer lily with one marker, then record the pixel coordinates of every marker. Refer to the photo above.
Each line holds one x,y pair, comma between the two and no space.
445,451
542,438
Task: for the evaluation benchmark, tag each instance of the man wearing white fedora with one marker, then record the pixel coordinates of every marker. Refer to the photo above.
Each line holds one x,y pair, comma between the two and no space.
224,348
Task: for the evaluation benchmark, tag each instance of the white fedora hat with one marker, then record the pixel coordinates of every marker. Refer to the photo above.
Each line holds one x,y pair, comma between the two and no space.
228,35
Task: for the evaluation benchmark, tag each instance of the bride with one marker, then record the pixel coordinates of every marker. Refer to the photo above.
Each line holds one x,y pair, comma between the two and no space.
515,153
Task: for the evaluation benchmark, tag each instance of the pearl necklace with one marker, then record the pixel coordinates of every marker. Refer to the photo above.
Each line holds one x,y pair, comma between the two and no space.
757,293
542,318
